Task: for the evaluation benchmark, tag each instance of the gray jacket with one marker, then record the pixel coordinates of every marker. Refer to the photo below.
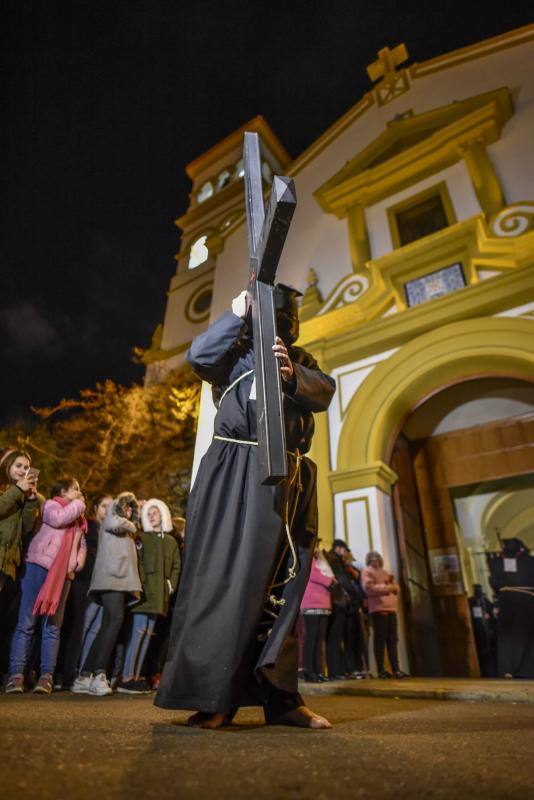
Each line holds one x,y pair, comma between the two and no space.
116,559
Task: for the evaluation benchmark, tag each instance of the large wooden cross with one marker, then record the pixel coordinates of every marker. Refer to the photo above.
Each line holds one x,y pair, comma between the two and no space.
266,236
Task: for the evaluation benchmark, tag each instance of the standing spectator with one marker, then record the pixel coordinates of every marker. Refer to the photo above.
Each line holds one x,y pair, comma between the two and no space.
19,514
341,593
74,629
382,590
316,609
114,584
19,510
353,637
56,552
160,570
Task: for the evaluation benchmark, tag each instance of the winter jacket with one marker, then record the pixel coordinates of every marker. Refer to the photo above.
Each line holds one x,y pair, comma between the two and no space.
46,543
316,594
116,560
160,565
378,590
18,520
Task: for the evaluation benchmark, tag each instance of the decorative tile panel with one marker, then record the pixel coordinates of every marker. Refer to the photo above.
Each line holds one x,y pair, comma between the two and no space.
434,284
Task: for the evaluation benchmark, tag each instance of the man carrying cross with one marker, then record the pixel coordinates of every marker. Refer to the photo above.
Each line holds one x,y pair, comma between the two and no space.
249,543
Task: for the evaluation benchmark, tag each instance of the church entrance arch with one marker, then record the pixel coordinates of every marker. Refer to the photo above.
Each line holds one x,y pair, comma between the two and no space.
441,373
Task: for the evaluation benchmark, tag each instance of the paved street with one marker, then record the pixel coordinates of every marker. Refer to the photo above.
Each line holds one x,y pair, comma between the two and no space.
123,748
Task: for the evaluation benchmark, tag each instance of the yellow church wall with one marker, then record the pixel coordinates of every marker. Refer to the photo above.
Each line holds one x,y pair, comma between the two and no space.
318,240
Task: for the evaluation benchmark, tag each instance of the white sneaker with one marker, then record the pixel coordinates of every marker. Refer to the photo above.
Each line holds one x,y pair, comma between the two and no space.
99,685
81,685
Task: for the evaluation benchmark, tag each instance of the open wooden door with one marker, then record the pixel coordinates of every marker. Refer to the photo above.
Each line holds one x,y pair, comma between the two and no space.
417,590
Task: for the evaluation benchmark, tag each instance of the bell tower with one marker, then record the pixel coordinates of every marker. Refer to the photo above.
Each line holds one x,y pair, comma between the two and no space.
216,204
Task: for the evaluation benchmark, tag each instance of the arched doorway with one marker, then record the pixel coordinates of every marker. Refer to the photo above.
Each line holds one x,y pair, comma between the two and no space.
464,463
425,367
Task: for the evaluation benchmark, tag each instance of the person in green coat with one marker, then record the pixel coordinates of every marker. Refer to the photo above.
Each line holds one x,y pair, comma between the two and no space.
159,569
19,510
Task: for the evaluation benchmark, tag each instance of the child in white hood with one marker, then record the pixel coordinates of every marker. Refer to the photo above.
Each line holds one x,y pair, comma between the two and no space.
159,566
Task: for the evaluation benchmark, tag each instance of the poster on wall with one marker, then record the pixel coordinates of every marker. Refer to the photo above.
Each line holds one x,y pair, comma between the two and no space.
445,568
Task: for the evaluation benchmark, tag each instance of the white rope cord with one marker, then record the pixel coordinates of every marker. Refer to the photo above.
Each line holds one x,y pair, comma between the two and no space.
235,441
292,571
229,388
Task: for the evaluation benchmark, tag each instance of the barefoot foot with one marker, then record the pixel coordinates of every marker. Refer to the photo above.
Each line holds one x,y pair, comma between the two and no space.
208,721
303,717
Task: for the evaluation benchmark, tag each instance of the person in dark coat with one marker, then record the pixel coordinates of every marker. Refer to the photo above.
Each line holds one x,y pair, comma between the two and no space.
160,565
248,547
341,597
353,644
483,621
512,578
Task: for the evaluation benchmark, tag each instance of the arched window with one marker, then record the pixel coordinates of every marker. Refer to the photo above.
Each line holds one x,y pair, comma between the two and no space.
239,169
266,171
206,191
198,253
223,179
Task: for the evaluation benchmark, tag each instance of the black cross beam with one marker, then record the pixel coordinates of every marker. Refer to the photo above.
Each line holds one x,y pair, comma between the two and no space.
266,236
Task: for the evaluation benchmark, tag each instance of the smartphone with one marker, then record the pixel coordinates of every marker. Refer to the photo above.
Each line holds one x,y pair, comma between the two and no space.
32,474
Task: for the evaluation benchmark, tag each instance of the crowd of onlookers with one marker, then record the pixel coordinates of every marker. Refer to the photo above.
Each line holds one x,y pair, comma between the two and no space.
341,605
87,590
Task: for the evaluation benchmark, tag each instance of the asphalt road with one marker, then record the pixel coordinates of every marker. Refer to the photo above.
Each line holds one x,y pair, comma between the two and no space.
122,748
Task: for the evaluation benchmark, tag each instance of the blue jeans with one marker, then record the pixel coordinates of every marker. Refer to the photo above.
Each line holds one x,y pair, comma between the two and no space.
91,625
142,631
32,581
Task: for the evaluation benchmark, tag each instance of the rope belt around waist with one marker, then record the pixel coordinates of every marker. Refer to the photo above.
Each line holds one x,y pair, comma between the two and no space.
519,590
295,453
235,441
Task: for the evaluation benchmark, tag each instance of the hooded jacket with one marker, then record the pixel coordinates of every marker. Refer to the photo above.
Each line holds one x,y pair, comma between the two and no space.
160,562
116,559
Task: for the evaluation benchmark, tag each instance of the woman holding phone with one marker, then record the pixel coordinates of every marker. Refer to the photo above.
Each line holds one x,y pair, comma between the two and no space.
56,553
19,509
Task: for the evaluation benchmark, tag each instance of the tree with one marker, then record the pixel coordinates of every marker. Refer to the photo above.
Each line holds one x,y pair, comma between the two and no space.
115,438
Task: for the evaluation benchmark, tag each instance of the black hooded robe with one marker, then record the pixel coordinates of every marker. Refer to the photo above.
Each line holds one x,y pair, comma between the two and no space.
233,633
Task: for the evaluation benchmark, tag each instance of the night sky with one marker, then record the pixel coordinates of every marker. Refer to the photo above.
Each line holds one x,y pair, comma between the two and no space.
105,103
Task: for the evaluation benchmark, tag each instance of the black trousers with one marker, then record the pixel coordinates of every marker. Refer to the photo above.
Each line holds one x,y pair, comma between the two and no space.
99,656
315,628
334,647
352,642
385,635
72,631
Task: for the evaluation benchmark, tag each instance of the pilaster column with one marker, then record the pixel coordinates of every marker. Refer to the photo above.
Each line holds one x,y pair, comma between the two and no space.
320,453
360,252
485,181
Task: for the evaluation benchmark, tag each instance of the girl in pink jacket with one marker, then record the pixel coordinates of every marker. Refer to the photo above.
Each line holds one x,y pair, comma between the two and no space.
382,591
316,608
56,553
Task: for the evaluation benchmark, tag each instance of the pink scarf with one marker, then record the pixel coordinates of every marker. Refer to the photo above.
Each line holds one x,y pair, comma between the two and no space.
48,599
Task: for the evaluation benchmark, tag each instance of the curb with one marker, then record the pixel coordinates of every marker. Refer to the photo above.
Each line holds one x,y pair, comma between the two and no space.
398,693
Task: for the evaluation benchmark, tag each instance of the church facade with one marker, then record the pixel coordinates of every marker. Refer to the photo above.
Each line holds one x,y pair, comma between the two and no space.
413,243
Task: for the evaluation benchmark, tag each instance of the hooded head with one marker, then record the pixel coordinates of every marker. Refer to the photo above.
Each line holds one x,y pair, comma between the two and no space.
127,500
287,312
163,508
